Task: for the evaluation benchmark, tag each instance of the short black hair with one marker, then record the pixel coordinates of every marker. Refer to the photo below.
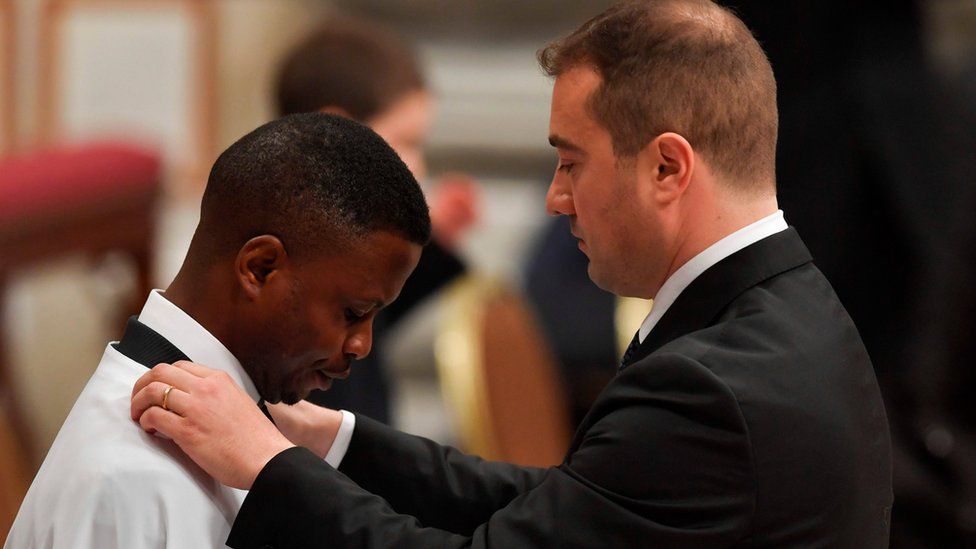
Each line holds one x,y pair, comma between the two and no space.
312,180
359,66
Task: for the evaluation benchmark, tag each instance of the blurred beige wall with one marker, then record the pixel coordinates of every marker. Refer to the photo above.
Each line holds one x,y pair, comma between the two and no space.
254,34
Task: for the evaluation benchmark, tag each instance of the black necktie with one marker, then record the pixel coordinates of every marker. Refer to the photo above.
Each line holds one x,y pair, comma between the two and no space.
144,345
630,352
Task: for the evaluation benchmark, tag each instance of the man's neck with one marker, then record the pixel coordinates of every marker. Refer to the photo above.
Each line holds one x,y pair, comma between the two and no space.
185,292
705,228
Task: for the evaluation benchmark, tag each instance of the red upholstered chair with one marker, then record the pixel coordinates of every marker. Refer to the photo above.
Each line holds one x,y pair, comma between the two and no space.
92,199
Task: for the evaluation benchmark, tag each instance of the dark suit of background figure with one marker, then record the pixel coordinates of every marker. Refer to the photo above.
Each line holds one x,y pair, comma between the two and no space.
876,169
749,417
367,391
576,316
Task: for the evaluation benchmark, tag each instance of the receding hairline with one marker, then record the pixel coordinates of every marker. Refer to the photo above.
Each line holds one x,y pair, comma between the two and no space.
708,15
700,17
681,30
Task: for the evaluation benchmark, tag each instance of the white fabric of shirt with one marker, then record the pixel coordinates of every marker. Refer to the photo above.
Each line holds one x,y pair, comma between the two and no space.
106,484
687,273
341,443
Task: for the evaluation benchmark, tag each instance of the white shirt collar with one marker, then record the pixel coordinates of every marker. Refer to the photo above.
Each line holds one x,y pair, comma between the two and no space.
687,273
194,340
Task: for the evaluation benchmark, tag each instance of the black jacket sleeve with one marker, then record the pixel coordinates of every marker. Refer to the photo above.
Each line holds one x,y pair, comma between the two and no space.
441,486
663,461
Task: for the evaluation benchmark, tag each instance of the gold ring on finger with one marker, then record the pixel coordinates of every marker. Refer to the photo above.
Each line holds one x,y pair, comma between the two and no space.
166,397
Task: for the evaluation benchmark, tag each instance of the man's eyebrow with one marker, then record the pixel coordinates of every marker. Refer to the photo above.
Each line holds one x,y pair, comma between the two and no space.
563,143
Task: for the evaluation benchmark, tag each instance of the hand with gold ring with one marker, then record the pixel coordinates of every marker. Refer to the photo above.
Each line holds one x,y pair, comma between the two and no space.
215,422
166,397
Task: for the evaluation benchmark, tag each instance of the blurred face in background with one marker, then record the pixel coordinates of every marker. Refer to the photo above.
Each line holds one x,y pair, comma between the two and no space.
405,126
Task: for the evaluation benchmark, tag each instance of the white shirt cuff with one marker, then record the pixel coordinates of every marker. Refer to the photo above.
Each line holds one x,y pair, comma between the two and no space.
341,443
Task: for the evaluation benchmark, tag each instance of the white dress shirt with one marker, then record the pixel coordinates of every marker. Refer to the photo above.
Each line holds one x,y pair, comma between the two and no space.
687,273
106,484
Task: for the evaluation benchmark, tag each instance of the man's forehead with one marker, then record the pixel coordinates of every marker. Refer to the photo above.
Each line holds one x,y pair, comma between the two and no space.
574,87
570,116
369,274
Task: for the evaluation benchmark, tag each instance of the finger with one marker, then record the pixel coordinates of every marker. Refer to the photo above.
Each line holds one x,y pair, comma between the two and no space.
146,398
166,373
196,369
175,376
153,395
156,420
144,379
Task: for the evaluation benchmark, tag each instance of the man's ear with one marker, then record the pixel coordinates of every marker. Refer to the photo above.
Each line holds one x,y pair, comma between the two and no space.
671,162
258,262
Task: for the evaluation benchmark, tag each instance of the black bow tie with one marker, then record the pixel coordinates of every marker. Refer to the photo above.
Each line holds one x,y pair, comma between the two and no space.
144,345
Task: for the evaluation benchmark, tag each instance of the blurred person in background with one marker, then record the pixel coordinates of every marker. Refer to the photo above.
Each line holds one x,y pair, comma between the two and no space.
308,225
582,331
361,70
745,413
877,151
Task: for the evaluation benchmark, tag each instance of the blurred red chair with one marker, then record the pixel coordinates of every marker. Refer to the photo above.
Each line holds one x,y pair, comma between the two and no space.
89,199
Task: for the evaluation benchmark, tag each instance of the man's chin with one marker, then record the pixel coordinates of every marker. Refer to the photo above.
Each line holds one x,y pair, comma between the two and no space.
598,277
293,398
615,285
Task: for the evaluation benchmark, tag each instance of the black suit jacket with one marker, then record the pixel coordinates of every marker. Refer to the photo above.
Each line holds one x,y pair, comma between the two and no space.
750,417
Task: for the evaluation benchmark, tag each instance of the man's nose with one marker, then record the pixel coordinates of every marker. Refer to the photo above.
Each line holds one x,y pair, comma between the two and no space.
360,342
559,200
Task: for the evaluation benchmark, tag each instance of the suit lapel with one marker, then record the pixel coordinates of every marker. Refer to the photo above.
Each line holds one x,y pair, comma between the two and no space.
704,299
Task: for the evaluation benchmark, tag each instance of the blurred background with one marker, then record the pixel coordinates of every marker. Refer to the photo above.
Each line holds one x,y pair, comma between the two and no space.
112,111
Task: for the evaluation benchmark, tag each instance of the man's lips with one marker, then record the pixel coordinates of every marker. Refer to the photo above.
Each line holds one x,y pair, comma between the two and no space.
575,233
334,371
323,377
336,374
579,240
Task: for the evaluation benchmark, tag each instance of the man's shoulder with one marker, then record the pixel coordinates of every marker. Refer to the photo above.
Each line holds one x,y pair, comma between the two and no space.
793,312
102,459
99,433
106,483
787,330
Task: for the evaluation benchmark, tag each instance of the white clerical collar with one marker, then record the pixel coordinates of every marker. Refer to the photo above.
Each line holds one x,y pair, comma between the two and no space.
687,273
194,340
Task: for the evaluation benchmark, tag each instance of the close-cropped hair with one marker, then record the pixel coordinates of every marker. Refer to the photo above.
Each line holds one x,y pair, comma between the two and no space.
315,181
685,66
357,66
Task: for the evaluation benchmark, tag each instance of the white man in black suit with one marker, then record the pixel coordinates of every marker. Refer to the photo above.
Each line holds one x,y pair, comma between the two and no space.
746,412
